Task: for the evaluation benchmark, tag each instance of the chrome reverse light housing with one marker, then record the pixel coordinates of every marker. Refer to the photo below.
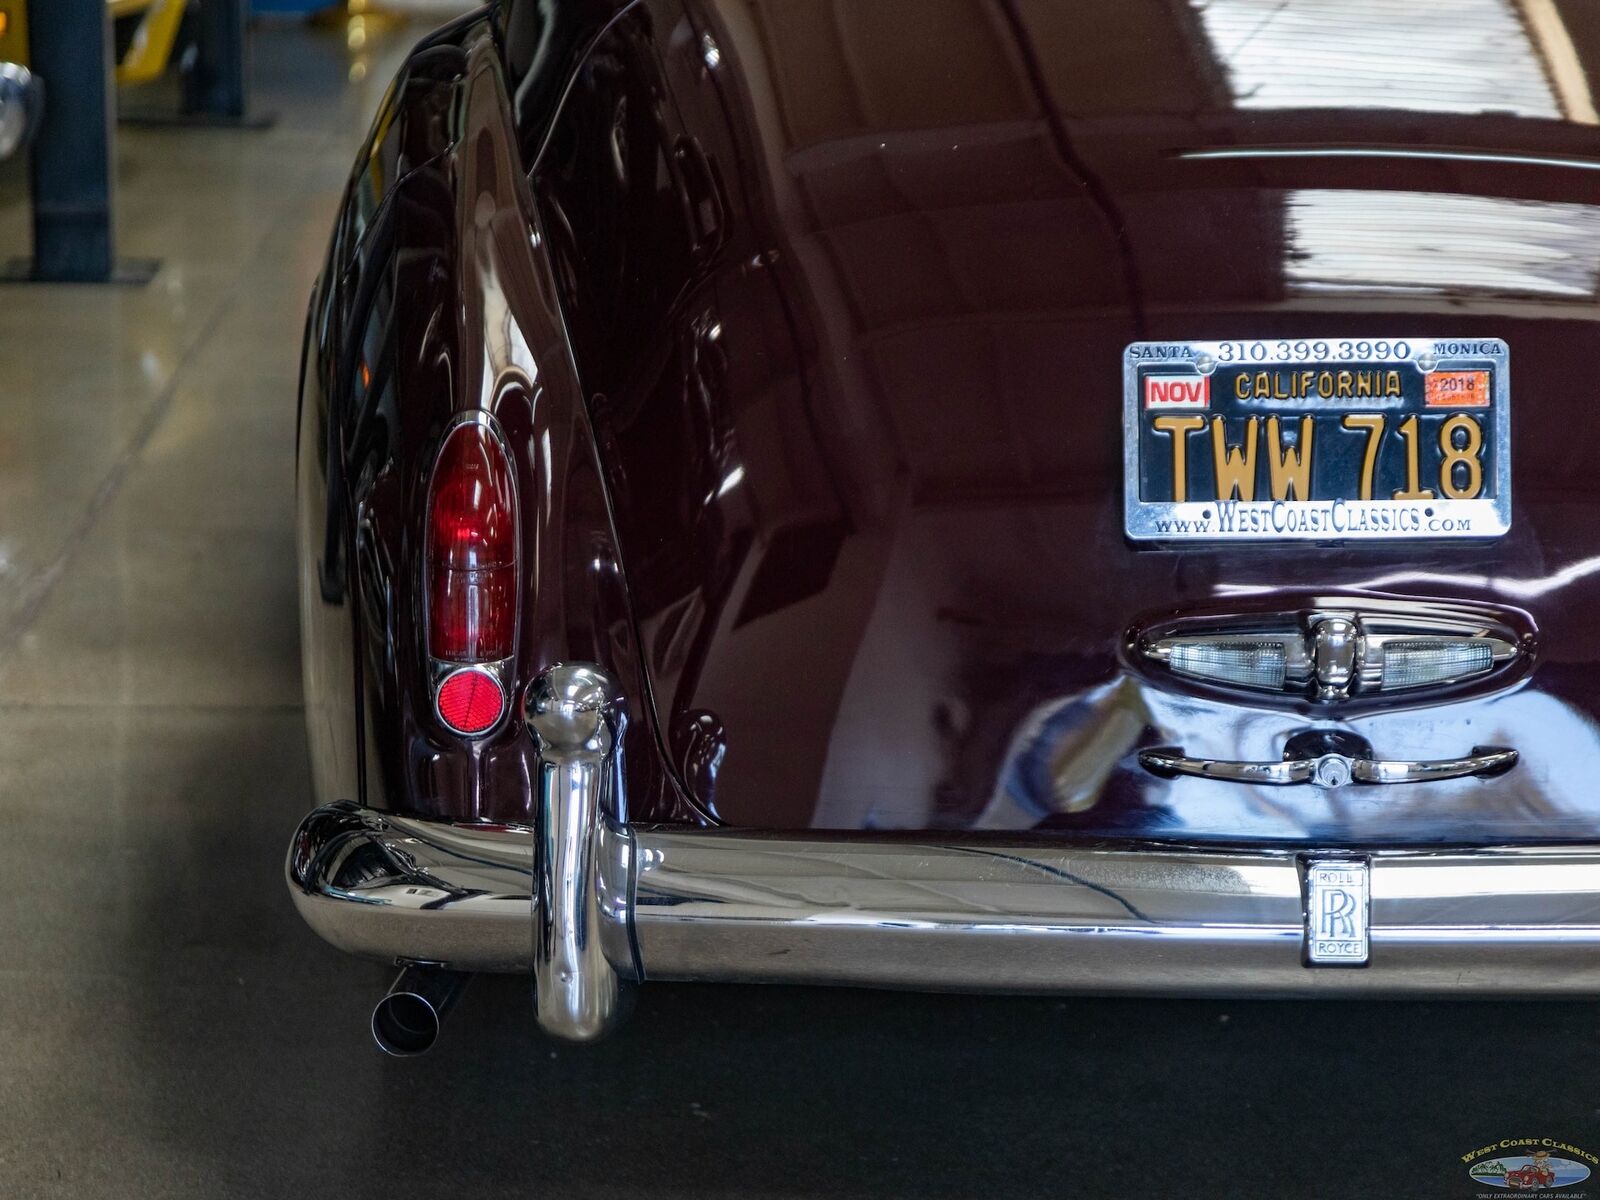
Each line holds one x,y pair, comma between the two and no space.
1335,650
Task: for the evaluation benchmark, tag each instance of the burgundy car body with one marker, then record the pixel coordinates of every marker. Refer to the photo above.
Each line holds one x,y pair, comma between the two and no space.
804,324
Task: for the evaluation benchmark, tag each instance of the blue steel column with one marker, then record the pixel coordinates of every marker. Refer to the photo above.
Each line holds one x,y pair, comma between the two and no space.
74,155
218,85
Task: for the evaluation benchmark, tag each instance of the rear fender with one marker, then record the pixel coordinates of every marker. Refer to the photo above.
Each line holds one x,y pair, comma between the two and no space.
447,306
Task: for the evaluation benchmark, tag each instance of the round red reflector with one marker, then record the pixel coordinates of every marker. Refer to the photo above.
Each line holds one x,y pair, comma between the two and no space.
471,701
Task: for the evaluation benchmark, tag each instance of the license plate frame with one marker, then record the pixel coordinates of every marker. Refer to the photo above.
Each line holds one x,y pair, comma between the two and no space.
1301,378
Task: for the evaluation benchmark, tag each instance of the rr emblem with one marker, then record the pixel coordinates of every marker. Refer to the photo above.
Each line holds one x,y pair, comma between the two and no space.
1337,902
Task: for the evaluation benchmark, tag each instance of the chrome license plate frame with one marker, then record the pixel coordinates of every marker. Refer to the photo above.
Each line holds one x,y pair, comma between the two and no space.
1398,379
1338,910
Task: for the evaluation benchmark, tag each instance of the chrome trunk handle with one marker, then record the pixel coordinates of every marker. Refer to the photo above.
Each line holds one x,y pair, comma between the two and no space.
1330,760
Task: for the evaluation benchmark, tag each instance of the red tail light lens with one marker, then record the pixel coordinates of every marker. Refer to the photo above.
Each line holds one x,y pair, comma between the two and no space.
472,549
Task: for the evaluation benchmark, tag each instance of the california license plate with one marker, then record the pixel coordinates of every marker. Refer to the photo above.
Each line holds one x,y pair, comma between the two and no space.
1326,440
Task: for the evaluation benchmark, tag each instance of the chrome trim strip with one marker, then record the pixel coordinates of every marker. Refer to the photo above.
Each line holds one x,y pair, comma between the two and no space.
1484,156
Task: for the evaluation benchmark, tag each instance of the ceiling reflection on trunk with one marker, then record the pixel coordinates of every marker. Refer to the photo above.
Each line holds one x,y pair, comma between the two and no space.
1462,56
1440,242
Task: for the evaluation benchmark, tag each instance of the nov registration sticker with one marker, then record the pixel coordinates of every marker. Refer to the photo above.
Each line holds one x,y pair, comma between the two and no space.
1325,440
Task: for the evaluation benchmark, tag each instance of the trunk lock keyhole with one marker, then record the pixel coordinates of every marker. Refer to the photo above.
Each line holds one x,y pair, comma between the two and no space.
1334,751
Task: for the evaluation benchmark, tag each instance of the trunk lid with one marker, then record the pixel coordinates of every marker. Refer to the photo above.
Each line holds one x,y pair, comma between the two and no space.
924,612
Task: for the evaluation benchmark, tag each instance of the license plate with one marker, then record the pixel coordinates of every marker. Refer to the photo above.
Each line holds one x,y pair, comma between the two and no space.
1337,904
1326,440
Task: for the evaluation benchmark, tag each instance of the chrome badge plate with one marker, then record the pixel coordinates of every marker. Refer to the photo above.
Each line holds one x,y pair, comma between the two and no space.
1325,440
1338,903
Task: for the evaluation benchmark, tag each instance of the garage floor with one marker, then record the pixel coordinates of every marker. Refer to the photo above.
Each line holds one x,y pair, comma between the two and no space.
168,1027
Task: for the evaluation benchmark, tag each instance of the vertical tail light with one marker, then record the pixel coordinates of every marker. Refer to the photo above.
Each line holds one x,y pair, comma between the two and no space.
471,574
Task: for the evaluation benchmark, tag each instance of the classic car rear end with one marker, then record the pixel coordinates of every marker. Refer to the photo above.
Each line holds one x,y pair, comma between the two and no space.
982,495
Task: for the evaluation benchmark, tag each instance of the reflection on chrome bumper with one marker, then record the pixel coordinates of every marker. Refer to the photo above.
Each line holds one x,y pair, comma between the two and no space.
21,105
963,915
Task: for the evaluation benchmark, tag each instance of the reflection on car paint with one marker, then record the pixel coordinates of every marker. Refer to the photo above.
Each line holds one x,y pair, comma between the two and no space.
1071,767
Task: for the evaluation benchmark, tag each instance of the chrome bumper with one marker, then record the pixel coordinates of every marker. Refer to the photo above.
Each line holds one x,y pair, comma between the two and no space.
617,905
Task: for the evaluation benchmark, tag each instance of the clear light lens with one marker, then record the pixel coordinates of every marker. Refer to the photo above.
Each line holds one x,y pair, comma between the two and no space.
472,615
1412,664
1255,664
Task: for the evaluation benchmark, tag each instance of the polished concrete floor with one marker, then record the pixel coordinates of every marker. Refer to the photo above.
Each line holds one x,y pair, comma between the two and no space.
169,1028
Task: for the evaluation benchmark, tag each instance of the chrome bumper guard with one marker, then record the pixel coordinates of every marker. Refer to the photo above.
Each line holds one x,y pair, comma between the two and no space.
590,905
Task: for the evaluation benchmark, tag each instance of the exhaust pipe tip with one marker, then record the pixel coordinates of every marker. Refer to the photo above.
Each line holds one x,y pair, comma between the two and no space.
408,1019
404,1023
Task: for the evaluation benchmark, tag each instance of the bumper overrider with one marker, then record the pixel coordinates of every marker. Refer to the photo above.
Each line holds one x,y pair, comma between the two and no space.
591,906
